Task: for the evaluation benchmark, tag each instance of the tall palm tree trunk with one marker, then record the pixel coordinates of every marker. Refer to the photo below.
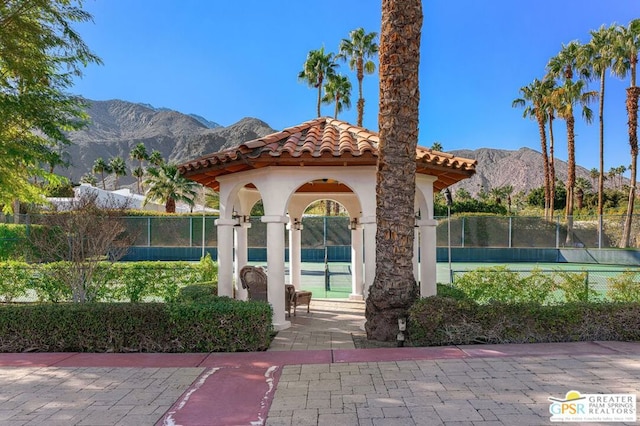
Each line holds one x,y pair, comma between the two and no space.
632,110
360,76
571,176
545,160
601,165
552,170
394,288
319,97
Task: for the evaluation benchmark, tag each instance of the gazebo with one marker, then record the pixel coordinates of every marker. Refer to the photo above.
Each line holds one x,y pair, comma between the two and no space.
320,159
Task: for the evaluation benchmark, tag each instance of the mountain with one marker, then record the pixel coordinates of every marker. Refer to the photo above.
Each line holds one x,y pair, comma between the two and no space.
117,126
520,168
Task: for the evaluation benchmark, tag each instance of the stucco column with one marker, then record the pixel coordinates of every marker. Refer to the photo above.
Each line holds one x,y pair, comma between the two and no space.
275,269
357,285
369,224
416,253
225,256
242,257
428,269
295,255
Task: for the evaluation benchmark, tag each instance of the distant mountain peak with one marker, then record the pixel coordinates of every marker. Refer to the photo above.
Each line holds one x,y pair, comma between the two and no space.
116,126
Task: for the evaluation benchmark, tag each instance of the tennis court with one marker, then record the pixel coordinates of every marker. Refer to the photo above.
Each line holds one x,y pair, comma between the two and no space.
336,282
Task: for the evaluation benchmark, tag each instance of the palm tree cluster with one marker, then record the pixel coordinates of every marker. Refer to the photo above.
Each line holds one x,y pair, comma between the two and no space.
565,87
319,71
163,182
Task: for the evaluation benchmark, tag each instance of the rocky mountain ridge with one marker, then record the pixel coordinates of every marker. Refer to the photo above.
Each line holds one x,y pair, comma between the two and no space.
117,126
520,168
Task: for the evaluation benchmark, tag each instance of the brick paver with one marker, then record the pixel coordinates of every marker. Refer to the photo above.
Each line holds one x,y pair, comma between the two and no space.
499,391
90,396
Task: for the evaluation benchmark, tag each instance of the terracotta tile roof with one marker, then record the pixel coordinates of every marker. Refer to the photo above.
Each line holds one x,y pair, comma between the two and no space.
319,142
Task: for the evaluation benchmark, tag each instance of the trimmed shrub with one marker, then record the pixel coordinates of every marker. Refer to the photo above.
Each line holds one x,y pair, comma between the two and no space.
446,290
222,326
436,321
198,293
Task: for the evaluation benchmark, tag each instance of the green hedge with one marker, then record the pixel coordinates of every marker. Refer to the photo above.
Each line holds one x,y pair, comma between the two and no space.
121,282
225,325
435,321
14,244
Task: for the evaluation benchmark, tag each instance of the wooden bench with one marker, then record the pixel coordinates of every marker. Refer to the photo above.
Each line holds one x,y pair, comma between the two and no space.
295,298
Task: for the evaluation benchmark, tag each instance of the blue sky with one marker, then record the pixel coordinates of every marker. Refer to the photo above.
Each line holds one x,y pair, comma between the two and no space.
226,60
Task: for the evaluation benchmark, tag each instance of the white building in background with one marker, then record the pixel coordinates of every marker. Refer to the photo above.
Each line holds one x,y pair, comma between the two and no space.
122,197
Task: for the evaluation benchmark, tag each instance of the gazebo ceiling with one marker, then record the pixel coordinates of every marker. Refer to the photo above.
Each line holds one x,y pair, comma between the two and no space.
320,142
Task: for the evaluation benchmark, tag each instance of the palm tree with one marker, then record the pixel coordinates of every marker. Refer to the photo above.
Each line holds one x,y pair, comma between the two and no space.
437,146
594,174
155,158
621,170
338,90
582,185
613,172
168,186
316,68
139,153
89,178
537,94
358,50
138,173
551,114
627,45
394,289
119,168
598,55
565,98
101,166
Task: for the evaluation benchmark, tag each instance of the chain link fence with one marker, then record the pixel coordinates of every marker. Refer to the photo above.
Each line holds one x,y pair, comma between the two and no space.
333,231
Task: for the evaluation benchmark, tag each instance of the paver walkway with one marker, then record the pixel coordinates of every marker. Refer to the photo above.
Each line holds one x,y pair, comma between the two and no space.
312,375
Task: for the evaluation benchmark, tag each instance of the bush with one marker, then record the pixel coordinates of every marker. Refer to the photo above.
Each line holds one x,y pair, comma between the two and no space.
14,241
198,293
14,279
500,284
435,321
223,326
119,282
575,287
445,290
625,287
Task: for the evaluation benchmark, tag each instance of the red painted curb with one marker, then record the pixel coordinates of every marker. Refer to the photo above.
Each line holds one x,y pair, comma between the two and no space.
139,360
267,359
396,354
34,359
